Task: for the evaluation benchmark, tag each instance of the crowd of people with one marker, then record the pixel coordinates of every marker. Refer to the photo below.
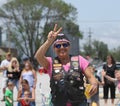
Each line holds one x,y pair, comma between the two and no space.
72,78
22,77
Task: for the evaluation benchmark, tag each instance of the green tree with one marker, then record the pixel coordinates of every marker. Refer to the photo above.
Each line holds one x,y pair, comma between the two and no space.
96,49
100,49
116,53
88,49
27,20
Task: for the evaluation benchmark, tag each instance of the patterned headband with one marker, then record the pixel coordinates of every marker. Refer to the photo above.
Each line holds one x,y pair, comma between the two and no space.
61,39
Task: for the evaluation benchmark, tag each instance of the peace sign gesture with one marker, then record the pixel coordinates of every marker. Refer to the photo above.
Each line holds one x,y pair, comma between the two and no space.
53,34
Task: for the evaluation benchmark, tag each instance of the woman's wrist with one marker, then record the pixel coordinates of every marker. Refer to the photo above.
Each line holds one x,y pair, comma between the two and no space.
105,75
94,84
50,41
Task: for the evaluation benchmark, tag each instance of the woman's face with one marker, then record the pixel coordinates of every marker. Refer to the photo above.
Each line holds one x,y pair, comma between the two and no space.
109,59
27,66
24,84
62,49
14,63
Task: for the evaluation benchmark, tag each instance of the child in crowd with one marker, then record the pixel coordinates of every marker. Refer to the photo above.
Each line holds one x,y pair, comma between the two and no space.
115,80
25,102
9,94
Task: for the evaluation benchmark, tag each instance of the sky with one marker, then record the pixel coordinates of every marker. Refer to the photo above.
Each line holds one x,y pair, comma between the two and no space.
2,2
101,16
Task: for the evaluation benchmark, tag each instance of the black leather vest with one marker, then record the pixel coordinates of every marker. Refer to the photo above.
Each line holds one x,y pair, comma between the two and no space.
70,84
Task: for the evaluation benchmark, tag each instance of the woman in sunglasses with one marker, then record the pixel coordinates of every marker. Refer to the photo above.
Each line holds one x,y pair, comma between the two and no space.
65,79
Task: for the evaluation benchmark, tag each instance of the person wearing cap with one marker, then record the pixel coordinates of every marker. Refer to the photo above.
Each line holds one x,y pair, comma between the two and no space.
62,95
3,67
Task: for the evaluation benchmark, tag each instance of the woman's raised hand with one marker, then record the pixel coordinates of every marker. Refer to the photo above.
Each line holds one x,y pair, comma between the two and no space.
53,34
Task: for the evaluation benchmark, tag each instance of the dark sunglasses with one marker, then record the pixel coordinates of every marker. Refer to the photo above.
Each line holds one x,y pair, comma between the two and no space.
58,46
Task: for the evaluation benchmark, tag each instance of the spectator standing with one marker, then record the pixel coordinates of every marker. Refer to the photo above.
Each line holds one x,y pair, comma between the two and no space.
29,74
109,68
13,72
3,67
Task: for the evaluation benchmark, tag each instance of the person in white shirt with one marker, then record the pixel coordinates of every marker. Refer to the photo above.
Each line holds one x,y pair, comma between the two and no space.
3,68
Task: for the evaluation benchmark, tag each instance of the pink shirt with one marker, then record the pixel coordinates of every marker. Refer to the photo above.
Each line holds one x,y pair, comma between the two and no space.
83,63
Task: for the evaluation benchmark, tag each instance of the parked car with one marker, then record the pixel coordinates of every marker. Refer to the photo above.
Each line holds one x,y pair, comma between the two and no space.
100,68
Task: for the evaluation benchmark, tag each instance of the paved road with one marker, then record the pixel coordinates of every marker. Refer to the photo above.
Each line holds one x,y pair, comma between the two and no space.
43,83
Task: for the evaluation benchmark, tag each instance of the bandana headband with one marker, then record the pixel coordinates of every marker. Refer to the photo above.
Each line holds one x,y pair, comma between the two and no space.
61,39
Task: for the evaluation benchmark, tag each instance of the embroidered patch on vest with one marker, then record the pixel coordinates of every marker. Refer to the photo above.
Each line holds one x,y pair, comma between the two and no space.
75,62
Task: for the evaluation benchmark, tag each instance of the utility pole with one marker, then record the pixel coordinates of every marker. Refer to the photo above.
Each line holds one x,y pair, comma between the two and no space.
89,36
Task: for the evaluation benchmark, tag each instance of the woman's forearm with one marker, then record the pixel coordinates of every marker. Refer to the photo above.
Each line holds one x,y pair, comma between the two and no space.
31,99
35,82
90,76
102,79
40,54
110,78
43,49
93,80
20,81
19,99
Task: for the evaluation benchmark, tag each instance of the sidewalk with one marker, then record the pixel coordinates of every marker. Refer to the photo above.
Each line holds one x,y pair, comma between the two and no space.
43,83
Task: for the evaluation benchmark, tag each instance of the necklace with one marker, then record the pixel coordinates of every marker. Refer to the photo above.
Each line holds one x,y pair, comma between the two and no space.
109,65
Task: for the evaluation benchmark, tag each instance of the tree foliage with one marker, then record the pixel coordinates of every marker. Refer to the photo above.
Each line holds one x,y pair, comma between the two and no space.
116,53
96,49
101,49
27,21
